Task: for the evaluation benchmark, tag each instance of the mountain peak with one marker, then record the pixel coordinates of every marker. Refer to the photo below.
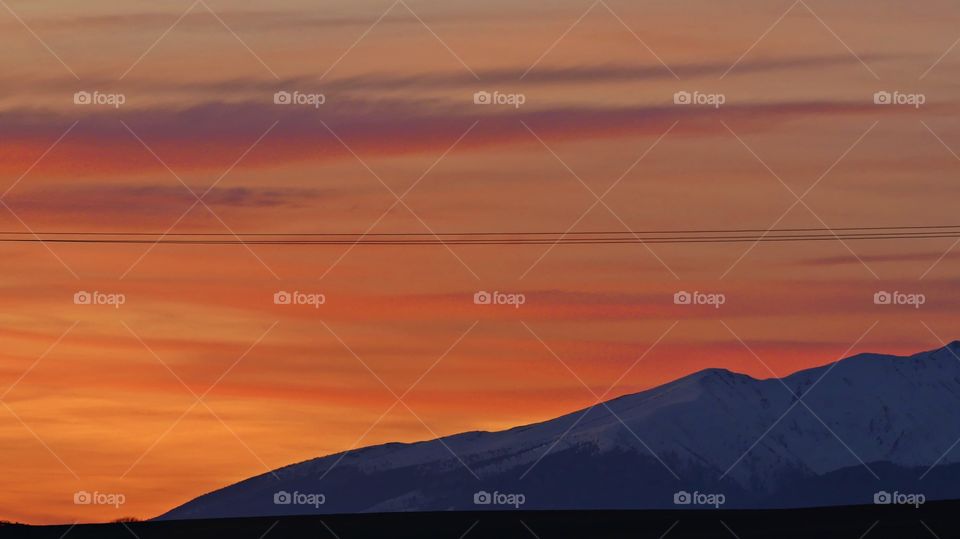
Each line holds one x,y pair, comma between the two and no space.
713,374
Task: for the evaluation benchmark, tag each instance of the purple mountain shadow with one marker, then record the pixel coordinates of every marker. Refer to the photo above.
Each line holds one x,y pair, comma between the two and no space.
866,425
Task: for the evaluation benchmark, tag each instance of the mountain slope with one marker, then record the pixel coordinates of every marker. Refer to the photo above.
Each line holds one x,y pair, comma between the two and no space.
867,423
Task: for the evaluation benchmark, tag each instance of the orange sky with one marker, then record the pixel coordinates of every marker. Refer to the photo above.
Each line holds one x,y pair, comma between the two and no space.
105,399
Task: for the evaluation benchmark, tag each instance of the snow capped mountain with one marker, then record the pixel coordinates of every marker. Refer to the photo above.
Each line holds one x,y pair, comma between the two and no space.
834,434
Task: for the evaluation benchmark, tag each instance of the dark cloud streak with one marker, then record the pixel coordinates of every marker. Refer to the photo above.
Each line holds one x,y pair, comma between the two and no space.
214,134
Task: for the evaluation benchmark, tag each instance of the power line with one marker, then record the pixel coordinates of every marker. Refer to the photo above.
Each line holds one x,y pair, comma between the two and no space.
505,233
493,238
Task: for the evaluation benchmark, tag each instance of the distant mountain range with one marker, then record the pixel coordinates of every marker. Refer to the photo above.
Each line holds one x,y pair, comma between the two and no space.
869,428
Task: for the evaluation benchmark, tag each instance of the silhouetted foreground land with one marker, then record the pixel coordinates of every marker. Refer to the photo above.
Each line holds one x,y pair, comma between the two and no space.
868,522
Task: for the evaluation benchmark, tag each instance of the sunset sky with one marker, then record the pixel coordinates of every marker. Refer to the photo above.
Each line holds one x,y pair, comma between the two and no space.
97,398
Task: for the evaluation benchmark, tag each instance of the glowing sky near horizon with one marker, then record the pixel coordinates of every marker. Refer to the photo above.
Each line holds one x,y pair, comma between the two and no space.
104,399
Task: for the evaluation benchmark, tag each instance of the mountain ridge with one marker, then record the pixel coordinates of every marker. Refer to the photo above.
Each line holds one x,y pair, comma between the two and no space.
714,428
